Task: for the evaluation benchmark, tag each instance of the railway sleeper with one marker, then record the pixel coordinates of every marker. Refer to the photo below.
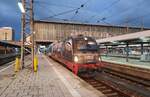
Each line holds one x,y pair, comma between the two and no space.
129,77
92,82
127,88
107,91
114,94
97,85
102,88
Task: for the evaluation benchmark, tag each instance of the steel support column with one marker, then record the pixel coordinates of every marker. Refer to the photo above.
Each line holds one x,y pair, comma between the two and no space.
32,30
127,52
23,24
27,28
142,48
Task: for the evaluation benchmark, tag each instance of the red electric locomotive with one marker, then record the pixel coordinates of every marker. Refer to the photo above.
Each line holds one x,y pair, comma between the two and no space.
78,53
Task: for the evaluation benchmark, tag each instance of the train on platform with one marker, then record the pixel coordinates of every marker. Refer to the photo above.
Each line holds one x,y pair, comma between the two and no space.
78,53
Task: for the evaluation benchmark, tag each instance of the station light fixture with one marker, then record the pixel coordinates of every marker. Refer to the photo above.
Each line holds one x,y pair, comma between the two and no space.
33,32
114,42
122,43
85,38
21,7
144,39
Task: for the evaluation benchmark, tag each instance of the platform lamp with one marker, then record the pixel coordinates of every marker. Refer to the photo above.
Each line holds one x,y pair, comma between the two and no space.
21,7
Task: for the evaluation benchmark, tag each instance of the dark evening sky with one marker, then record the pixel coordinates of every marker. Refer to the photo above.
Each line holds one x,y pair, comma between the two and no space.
110,12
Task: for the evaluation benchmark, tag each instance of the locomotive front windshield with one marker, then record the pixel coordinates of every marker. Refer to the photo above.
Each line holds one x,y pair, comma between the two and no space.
87,45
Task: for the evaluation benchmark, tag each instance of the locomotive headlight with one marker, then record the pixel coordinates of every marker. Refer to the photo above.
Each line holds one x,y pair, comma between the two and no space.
76,59
99,58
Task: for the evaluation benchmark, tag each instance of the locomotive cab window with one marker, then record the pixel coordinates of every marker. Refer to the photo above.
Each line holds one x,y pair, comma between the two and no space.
87,45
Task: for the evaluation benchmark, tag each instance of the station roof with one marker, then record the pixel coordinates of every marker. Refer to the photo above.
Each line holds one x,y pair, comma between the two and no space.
16,44
10,43
10,28
143,35
80,23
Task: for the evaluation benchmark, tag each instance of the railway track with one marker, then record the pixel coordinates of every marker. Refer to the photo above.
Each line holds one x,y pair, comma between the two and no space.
138,72
130,79
7,58
113,84
105,88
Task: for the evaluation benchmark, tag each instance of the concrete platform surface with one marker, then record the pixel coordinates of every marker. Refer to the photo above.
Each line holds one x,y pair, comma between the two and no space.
51,80
132,62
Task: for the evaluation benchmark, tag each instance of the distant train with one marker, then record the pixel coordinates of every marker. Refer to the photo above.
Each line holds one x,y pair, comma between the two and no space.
7,50
7,54
78,53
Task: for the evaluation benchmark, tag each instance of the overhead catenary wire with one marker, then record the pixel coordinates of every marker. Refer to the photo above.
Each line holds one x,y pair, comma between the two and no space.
61,13
68,11
53,14
138,17
77,11
125,11
110,6
48,9
53,4
102,20
131,20
115,15
105,9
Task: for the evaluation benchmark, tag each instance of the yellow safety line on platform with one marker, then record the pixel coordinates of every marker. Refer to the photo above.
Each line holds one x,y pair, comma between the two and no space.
69,87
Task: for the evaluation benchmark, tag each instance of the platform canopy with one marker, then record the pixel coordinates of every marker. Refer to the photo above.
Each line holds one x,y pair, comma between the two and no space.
16,44
143,36
10,43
